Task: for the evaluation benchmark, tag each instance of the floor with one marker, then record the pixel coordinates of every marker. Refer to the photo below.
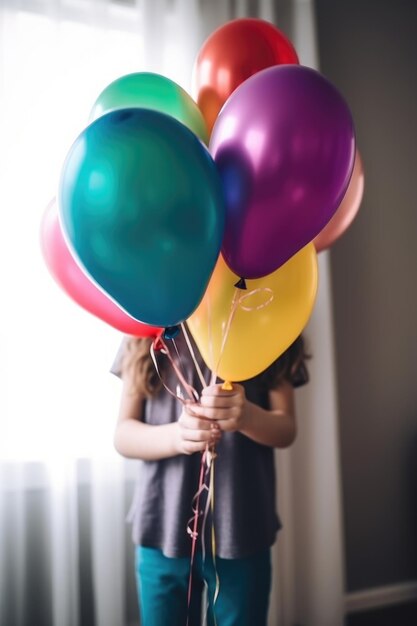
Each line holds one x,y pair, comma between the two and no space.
400,615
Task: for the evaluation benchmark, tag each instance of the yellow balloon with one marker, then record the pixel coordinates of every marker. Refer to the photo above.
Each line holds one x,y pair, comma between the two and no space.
268,316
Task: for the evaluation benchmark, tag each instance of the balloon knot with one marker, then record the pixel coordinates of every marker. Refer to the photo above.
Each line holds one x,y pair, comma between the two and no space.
171,332
241,284
157,344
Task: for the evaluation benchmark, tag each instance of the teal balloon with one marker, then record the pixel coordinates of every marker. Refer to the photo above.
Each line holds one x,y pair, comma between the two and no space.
142,208
147,90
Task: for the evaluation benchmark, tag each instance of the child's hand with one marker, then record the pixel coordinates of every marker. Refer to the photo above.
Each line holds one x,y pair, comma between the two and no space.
194,431
225,408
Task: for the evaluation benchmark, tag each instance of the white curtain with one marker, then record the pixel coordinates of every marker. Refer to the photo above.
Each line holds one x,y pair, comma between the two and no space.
63,489
65,558
310,555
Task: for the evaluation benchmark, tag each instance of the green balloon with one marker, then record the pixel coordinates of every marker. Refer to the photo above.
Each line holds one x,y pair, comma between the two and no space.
141,204
151,91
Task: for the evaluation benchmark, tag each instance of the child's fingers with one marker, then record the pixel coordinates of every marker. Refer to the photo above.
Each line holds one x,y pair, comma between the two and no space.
207,413
221,401
200,435
215,397
190,447
219,416
195,439
193,421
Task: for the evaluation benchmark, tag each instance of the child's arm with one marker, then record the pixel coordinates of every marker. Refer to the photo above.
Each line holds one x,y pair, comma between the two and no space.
135,439
233,412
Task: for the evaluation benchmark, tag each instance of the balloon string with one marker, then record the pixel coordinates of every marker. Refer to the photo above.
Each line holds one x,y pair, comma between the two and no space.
213,539
237,302
189,389
155,362
193,532
206,472
233,309
210,333
192,353
252,293
205,583
211,456
207,460
208,457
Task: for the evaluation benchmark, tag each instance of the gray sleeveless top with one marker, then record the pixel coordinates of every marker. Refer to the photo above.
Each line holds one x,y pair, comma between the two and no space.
245,517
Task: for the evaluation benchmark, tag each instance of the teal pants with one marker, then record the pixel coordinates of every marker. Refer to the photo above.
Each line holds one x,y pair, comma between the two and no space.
244,588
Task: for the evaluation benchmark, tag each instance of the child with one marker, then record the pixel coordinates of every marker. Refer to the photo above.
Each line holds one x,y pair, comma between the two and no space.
245,424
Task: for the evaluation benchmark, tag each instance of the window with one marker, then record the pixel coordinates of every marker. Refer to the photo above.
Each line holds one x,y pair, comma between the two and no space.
57,397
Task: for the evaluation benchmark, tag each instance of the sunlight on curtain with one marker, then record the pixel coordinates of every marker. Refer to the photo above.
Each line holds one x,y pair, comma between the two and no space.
60,397
58,401
57,397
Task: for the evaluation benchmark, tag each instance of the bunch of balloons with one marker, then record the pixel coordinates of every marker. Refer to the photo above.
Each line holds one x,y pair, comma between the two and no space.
167,201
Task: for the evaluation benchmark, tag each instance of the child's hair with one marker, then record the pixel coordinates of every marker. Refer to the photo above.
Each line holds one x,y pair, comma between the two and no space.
289,366
137,364
139,367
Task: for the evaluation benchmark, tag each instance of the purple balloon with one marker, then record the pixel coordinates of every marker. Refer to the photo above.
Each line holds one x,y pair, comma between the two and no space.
284,144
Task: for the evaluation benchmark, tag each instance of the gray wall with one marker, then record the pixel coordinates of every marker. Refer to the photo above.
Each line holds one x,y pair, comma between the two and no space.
368,49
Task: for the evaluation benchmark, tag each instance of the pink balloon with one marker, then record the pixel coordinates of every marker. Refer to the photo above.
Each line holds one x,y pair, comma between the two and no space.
76,284
347,210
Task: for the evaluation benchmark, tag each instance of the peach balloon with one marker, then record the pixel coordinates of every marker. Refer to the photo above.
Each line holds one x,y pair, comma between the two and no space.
347,210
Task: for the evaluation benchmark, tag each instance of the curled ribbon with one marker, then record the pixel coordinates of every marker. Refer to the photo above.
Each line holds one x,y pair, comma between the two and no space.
207,457
237,302
161,348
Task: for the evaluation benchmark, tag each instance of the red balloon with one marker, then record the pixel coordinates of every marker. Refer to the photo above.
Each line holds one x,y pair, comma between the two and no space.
233,53
347,210
76,284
